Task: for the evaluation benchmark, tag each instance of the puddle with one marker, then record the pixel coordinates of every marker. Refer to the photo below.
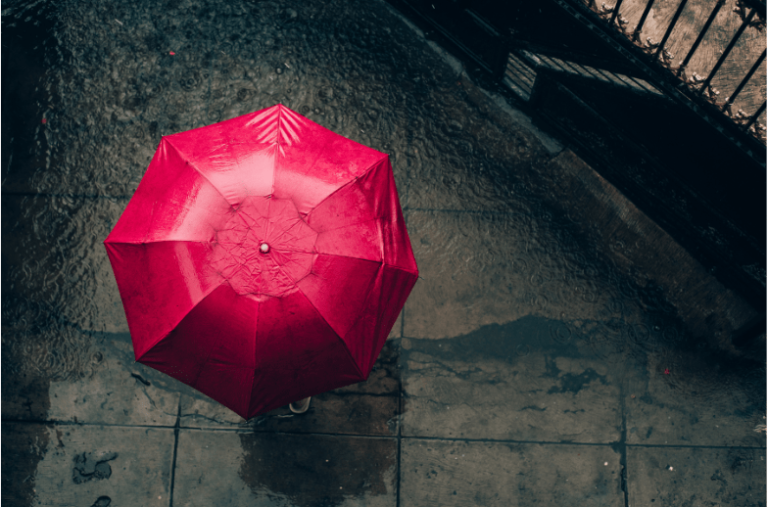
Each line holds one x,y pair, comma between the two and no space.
656,351
24,446
318,471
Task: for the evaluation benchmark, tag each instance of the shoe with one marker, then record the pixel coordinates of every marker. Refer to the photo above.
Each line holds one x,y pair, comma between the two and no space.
301,406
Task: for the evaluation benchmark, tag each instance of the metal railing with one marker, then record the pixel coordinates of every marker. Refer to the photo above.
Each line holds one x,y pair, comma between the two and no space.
752,16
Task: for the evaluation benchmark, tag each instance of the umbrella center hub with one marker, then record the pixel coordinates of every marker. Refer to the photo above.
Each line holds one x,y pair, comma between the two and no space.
264,247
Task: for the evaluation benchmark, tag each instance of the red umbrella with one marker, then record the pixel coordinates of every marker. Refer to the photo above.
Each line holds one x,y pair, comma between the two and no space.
262,260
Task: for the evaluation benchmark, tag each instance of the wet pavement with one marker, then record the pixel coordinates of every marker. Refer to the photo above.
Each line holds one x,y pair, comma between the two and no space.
559,348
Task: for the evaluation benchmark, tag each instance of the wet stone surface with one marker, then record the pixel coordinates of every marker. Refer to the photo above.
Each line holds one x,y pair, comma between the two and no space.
478,473
88,466
526,380
676,399
85,465
727,477
528,367
285,469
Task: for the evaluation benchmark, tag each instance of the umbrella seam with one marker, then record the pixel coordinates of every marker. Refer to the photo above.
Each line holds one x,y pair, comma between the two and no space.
382,262
404,270
160,241
192,165
277,136
347,225
138,359
149,227
367,299
312,165
343,343
255,363
350,182
379,317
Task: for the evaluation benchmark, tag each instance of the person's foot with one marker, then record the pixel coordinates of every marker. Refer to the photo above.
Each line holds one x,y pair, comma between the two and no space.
301,406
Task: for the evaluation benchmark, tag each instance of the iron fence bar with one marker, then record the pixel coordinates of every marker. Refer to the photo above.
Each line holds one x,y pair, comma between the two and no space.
642,61
640,24
703,32
728,50
615,11
744,81
754,117
756,4
670,28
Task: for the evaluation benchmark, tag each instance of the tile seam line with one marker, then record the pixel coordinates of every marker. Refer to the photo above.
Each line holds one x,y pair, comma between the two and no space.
250,431
585,444
244,429
400,401
378,437
622,445
176,432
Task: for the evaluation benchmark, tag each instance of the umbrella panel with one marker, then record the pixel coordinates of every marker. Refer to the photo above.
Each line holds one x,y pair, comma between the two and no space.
263,259
255,359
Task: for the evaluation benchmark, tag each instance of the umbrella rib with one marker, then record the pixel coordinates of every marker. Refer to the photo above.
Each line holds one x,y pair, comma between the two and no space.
286,123
255,363
378,273
179,240
349,354
345,225
309,167
345,185
368,260
278,136
163,337
405,270
192,165
151,219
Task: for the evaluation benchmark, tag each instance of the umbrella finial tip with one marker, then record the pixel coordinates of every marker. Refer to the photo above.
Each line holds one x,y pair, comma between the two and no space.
264,248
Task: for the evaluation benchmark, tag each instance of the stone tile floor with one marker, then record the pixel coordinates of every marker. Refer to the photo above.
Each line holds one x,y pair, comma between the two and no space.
520,413
530,365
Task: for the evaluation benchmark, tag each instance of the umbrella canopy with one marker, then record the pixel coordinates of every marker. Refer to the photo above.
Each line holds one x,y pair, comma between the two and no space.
262,259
